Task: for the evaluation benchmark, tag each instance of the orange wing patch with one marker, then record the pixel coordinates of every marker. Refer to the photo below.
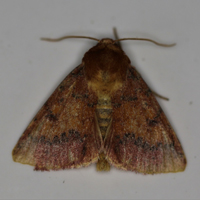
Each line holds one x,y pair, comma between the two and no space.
141,138
63,133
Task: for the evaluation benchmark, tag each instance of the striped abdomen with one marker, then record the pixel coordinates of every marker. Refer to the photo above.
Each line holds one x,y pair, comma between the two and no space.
104,111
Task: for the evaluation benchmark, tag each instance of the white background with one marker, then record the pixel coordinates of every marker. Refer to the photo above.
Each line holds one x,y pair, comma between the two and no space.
30,70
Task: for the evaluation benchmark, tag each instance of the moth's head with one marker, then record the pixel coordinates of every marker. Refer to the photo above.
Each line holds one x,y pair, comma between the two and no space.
110,43
107,41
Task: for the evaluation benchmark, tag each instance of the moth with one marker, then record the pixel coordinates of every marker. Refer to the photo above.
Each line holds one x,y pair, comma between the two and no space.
103,112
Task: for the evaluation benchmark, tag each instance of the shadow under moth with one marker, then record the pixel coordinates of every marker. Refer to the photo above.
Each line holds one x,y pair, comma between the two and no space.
102,112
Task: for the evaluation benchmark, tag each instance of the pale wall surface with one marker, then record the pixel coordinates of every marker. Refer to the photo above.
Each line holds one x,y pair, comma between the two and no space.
31,69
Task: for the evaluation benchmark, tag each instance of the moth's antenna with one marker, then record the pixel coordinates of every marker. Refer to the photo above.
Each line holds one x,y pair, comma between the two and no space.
149,40
116,37
117,40
66,37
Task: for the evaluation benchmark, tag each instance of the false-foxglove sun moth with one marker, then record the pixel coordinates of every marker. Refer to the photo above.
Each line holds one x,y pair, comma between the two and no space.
102,112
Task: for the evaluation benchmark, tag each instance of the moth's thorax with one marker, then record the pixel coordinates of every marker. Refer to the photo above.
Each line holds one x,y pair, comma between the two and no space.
105,66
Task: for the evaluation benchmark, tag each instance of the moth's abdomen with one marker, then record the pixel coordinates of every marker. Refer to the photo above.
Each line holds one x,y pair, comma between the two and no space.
104,114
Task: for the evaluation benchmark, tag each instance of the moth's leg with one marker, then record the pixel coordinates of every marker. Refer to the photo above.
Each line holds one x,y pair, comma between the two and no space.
117,37
155,93
160,96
